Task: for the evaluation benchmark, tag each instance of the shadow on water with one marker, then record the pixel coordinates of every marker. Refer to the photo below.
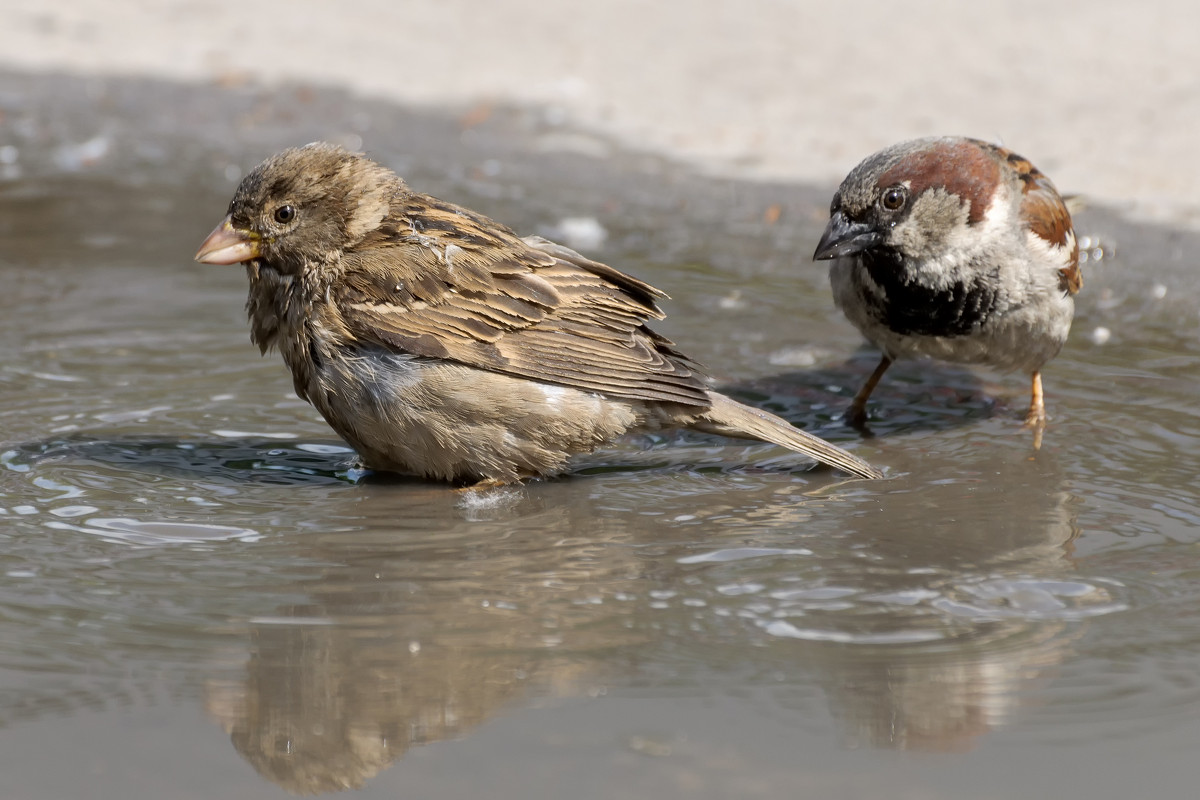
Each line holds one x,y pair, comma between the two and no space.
915,396
175,524
250,460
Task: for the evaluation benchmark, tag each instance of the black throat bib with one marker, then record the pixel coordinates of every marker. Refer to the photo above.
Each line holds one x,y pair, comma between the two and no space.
912,308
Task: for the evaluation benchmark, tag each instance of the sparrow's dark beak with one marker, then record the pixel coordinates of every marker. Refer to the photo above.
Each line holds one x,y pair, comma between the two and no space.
228,245
844,237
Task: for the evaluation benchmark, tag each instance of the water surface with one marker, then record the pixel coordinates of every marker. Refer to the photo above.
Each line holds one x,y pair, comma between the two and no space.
203,596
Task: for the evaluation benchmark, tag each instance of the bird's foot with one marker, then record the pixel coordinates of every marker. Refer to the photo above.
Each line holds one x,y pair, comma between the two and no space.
484,485
856,417
1036,422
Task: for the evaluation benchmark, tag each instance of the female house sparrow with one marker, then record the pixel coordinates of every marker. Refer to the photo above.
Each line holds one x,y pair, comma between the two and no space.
956,249
439,344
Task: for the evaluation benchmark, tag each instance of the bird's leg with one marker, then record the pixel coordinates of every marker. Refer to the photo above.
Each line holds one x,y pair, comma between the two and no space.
856,415
1036,418
484,484
1037,408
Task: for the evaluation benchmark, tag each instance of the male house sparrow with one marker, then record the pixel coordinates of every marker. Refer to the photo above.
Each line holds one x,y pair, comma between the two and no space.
439,344
956,249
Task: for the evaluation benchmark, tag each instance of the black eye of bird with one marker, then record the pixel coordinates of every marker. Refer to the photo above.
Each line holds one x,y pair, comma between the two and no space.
285,214
893,198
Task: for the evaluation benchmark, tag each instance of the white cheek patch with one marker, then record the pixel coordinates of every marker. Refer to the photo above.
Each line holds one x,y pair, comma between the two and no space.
944,267
995,221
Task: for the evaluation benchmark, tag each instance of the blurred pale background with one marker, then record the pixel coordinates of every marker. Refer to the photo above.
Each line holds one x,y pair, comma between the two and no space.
1104,96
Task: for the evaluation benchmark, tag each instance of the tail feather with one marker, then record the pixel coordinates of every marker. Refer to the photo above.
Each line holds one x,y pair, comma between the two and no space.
727,417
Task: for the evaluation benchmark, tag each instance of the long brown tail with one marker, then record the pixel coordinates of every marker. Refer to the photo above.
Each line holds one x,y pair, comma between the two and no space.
727,417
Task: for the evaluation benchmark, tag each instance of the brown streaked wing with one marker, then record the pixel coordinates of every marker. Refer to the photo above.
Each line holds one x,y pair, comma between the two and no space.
531,309
645,294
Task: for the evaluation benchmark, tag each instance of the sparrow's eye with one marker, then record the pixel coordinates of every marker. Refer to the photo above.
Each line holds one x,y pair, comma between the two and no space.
893,198
285,214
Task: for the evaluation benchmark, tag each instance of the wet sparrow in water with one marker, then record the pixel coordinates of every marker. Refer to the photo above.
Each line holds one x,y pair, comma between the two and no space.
439,344
956,249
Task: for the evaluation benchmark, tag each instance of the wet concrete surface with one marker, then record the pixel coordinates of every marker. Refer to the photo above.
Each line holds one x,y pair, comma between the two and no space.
202,596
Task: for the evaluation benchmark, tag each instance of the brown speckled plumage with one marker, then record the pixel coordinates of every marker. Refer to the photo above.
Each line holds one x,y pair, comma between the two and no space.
956,249
441,344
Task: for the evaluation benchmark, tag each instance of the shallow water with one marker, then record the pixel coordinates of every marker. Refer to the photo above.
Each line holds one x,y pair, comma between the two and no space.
202,596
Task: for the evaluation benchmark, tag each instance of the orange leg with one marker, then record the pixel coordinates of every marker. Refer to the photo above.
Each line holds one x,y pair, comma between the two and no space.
1036,418
856,415
1037,408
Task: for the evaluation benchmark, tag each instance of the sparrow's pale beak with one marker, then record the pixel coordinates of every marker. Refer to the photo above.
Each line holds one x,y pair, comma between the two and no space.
844,237
228,245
